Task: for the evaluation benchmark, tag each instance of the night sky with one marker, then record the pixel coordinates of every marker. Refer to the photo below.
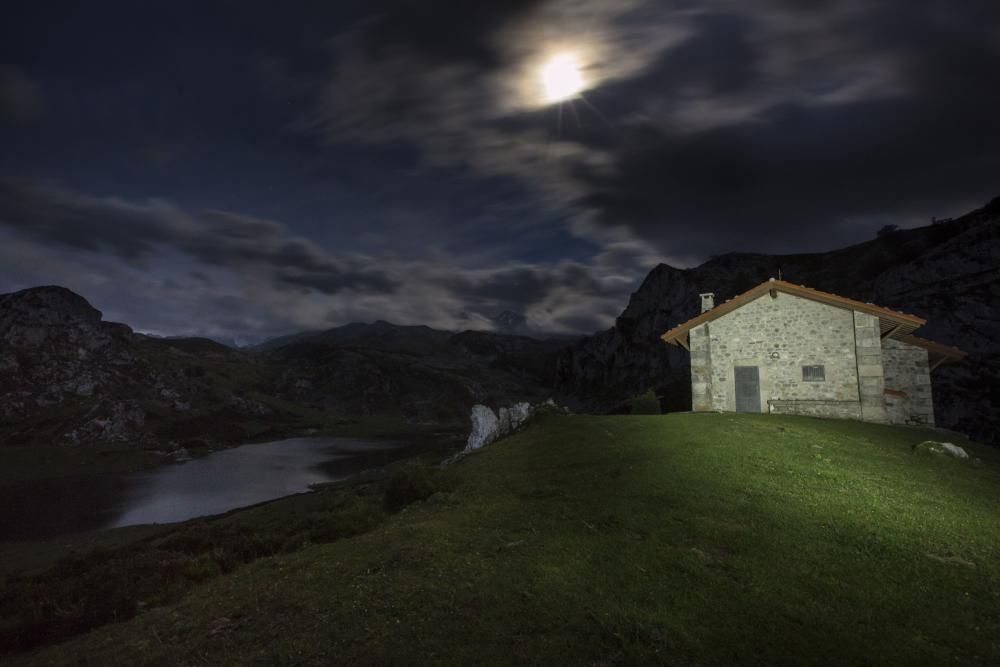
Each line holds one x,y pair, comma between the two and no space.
250,169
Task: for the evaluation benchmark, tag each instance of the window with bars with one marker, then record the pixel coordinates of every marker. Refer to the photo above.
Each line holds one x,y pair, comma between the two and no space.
815,373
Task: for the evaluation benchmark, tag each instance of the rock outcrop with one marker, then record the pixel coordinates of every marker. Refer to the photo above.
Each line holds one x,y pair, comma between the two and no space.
68,377
54,349
485,426
489,426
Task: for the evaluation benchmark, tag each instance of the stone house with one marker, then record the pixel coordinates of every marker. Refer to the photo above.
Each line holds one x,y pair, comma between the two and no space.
781,348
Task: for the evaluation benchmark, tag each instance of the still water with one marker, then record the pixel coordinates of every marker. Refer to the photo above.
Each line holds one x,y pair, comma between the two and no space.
213,484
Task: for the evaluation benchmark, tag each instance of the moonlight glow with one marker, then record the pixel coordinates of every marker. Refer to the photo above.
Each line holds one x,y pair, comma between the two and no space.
561,78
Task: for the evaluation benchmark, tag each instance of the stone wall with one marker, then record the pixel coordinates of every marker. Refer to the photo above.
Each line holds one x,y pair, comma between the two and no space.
780,335
701,369
907,371
871,385
838,409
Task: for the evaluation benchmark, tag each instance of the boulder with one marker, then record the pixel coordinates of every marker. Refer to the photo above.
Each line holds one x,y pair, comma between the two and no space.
485,426
504,426
488,426
519,413
940,449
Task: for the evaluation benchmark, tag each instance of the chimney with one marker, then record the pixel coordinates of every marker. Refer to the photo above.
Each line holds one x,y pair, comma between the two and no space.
707,301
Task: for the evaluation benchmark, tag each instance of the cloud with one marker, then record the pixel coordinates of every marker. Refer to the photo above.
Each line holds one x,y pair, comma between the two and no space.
768,125
465,90
894,127
167,270
135,231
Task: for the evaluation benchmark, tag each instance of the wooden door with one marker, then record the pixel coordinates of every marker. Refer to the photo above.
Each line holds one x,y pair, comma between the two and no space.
747,389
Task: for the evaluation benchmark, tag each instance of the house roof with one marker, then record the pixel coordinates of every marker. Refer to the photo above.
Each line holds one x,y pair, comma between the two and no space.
937,353
892,323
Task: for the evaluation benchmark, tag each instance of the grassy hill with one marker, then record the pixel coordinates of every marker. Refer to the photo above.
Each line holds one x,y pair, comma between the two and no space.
678,539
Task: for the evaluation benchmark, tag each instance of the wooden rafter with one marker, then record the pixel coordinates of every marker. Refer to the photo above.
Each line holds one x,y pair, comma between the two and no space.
890,332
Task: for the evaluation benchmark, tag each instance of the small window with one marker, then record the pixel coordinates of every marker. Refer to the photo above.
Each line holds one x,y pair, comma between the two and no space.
813,373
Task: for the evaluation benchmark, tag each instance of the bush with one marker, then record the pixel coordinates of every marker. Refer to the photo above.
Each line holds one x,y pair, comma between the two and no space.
410,482
646,404
545,409
201,568
354,515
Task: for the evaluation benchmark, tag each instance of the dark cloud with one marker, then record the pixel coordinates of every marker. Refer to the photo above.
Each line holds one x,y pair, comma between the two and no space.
127,229
763,125
808,165
136,231
444,30
281,281
756,125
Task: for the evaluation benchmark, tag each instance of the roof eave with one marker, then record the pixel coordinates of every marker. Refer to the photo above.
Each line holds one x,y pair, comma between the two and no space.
896,324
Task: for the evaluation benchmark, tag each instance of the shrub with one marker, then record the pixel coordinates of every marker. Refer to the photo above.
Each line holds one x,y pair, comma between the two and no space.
545,409
410,482
646,404
201,568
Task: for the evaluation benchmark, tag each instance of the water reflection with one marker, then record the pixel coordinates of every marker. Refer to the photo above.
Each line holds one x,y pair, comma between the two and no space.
217,483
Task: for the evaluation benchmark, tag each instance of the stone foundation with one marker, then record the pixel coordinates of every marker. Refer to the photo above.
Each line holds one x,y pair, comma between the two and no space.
835,409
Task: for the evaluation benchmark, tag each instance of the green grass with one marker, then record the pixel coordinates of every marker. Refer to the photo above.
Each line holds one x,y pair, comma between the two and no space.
687,538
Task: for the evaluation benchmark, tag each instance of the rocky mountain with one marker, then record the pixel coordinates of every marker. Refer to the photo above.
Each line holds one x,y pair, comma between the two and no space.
509,322
948,273
419,373
68,377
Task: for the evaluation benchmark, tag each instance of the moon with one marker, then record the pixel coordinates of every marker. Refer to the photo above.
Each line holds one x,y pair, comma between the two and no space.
561,78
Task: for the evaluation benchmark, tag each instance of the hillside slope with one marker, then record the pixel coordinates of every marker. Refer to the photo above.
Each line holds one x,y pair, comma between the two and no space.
681,539
948,273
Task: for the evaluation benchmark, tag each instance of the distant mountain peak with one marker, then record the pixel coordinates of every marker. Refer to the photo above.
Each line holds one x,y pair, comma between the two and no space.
49,304
511,323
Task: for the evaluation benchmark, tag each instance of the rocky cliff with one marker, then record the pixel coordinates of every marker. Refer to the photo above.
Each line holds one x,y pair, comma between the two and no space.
67,377
56,352
948,273
418,373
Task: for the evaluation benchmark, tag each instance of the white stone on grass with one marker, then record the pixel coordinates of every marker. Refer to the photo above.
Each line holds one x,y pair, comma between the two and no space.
519,414
942,449
954,450
503,426
488,426
484,427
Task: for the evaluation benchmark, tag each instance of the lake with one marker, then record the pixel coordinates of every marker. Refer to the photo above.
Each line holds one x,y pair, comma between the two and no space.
216,483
